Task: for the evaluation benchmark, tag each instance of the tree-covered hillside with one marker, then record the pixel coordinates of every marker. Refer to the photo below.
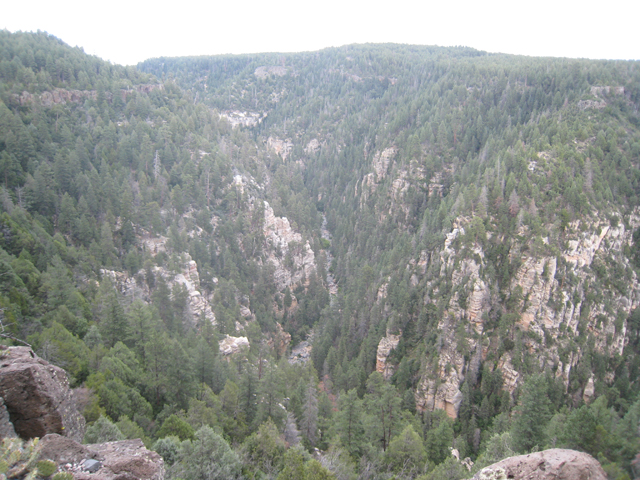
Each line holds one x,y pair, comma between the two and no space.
453,234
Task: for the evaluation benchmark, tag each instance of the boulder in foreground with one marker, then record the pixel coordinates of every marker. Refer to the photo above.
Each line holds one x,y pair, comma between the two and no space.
556,464
37,396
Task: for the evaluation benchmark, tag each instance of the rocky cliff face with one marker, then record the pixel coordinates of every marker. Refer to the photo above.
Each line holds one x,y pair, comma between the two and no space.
242,119
281,147
294,261
555,296
187,276
388,343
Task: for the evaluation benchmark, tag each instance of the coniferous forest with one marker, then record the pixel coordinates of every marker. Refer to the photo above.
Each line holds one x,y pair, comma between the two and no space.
336,264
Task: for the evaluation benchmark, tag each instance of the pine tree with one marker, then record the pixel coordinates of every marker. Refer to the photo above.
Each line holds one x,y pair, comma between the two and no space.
310,414
291,432
533,414
113,324
348,422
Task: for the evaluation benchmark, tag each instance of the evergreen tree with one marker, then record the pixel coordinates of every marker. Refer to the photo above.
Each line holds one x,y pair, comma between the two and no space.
533,413
208,457
348,422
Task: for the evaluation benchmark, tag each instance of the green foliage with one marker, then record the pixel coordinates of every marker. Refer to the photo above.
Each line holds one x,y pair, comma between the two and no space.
176,426
103,430
131,430
448,470
168,448
18,458
63,476
406,454
294,467
533,413
348,422
439,439
313,470
265,448
46,468
209,456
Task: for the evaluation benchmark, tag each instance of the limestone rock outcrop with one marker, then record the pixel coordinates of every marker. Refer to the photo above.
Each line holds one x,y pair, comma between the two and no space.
243,119
188,277
388,343
556,464
230,345
280,146
301,353
381,161
549,300
37,396
294,261
268,70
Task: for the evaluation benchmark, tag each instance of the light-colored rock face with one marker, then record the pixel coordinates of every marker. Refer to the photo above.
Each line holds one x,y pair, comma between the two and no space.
535,277
154,245
435,184
381,161
589,390
547,303
266,71
197,303
294,261
312,147
388,343
301,353
556,464
281,147
510,375
230,345
242,119
431,395
599,91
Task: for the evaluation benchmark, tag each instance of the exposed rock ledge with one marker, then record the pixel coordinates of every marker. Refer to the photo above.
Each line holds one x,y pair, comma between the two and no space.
123,460
230,345
556,464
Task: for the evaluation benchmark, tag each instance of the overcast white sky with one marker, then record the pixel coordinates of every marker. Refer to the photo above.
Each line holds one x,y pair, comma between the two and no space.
127,32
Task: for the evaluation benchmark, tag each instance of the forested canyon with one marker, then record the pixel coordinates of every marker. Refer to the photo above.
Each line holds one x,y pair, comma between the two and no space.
345,264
